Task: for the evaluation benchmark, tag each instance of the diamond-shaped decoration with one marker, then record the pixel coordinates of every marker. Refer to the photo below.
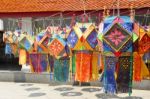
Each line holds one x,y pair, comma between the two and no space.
72,39
25,44
116,37
56,47
92,39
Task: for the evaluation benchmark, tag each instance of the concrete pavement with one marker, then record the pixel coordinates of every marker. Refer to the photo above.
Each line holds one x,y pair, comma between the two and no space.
12,90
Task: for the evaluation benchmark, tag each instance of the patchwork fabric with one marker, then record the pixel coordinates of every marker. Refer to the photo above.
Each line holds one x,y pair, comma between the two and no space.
43,43
109,81
124,78
127,47
56,47
107,47
137,67
34,62
144,44
116,37
22,57
39,62
26,43
10,37
61,69
44,62
72,39
85,38
83,67
128,26
92,39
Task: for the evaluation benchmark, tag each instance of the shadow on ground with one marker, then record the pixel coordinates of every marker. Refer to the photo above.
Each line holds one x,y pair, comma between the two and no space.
32,89
26,85
36,94
64,88
71,94
108,96
91,89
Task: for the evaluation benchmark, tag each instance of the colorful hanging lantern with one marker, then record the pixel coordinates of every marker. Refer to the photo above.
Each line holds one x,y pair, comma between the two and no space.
116,37
117,40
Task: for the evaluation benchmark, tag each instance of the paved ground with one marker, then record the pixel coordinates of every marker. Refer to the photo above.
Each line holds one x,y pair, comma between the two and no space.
10,90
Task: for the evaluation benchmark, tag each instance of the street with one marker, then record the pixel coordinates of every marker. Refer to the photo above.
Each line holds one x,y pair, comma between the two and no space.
12,90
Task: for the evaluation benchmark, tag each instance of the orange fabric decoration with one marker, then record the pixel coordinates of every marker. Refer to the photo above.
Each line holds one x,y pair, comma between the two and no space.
56,47
136,67
83,67
144,44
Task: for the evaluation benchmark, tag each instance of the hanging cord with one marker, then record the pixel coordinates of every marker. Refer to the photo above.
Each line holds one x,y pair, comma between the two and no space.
117,4
146,17
114,3
84,16
61,20
118,8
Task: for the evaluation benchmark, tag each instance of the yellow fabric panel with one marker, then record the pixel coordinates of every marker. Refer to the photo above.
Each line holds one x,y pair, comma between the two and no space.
144,69
22,56
101,62
95,66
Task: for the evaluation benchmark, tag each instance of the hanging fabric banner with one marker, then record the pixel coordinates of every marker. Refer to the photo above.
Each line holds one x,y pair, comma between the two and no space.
34,62
137,67
44,62
39,62
22,57
124,76
61,69
95,66
109,81
83,66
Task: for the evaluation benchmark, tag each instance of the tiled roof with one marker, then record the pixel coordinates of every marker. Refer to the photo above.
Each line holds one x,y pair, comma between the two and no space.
65,5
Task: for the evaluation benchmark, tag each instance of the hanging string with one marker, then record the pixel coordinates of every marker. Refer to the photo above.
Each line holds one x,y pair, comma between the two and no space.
146,18
118,7
84,16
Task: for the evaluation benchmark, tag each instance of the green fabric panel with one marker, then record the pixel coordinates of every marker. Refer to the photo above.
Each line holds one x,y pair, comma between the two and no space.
73,63
61,70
